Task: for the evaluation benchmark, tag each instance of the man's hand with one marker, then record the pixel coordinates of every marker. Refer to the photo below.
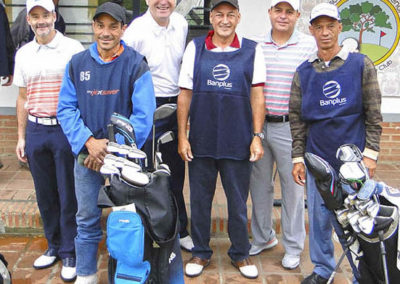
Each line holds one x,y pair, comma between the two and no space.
184,150
299,173
92,163
97,149
20,150
9,81
256,149
370,164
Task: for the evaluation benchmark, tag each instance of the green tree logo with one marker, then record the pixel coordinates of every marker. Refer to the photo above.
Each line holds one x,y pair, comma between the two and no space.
363,18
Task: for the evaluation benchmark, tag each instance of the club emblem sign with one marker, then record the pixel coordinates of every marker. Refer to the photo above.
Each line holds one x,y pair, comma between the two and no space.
375,24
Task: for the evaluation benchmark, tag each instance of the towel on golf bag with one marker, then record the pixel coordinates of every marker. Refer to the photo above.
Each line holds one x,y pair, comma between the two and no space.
157,208
326,179
125,243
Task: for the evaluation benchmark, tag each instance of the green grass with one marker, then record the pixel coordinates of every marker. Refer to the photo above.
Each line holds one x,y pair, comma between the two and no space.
375,52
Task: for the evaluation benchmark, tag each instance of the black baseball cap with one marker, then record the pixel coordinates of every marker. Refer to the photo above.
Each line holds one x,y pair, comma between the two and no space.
215,3
112,9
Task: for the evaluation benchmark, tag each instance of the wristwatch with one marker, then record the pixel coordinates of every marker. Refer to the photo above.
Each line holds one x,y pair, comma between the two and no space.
260,134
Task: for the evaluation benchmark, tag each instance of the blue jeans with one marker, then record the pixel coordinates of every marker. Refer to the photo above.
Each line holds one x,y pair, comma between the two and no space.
87,186
235,177
321,222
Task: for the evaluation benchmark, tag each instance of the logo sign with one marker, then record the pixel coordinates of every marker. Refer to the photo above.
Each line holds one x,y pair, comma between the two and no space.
331,89
221,72
375,24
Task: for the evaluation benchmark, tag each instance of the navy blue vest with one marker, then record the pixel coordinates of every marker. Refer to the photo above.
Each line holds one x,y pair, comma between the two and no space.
220,111
104,88
332,107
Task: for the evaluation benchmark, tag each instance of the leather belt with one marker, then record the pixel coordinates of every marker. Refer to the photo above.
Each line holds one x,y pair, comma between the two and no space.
43,120
277,118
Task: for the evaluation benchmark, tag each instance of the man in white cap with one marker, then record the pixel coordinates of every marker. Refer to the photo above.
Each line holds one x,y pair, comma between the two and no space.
350,114
221,84
39,68
284,49
160,35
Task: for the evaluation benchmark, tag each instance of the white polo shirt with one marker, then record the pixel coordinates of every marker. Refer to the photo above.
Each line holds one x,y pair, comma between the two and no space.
187,69
40,68
163,48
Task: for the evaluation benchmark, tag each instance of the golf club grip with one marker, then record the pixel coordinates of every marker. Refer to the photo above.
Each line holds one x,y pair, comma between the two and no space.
110,131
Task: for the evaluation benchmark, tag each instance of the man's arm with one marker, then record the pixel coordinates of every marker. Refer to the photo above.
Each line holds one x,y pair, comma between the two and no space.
184,100
298,129
144,104
22,117
258,110
373,117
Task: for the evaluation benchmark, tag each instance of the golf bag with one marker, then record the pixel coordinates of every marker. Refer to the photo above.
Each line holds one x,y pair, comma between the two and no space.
374,247
5,275
142,229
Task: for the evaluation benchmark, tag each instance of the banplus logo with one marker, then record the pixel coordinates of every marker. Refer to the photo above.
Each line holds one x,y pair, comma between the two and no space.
331,91
221,73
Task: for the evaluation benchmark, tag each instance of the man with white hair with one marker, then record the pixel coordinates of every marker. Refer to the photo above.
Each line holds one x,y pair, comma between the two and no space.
39,68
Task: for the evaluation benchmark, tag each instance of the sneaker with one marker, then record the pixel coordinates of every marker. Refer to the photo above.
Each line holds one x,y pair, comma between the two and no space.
68,270
46,260
88,279
246,268
254,250
195,266
314,278
290,261
186,243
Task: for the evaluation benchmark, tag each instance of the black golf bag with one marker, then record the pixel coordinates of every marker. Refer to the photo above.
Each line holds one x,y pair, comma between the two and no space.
375,253
5,275
157,209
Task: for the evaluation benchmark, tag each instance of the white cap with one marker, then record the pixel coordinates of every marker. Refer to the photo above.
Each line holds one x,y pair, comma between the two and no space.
325,9
46,4
294,3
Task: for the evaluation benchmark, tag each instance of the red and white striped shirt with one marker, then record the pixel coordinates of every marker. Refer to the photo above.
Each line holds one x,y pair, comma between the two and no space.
40,68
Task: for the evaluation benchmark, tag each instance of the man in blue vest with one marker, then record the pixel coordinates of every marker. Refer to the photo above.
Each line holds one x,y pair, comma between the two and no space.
334,94
108,77
221,80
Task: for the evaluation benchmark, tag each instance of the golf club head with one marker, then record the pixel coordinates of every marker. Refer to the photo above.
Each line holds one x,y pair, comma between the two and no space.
132,176
133,165
164,111
161,172
166,137
349,153
110,160
362,207
373,210
109,170
124,126
341,216
351,172
164,167
367,190
113,147
366,224
353,220
135,153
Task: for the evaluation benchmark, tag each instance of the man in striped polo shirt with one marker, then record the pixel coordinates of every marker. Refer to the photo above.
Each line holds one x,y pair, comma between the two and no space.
284,49
39,69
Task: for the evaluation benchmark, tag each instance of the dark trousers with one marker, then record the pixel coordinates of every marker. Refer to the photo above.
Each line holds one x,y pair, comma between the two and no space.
171,157
235,176
52,166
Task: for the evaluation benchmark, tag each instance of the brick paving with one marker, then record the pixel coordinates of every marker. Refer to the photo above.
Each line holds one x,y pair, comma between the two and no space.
22,240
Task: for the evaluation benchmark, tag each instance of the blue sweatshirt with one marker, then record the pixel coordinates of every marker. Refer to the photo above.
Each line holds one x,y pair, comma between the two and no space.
93,89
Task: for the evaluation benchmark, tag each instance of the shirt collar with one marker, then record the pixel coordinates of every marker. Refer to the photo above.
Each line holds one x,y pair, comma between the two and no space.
52,44
210,45
294,39
342,54
155,27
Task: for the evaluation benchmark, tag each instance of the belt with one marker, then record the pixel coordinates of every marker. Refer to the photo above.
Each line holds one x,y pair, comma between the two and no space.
277,118
43,120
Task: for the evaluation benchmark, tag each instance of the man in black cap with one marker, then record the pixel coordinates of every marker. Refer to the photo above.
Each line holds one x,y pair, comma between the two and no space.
108,77
222,79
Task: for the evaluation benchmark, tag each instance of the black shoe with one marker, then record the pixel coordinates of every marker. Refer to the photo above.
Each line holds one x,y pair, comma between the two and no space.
314,278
